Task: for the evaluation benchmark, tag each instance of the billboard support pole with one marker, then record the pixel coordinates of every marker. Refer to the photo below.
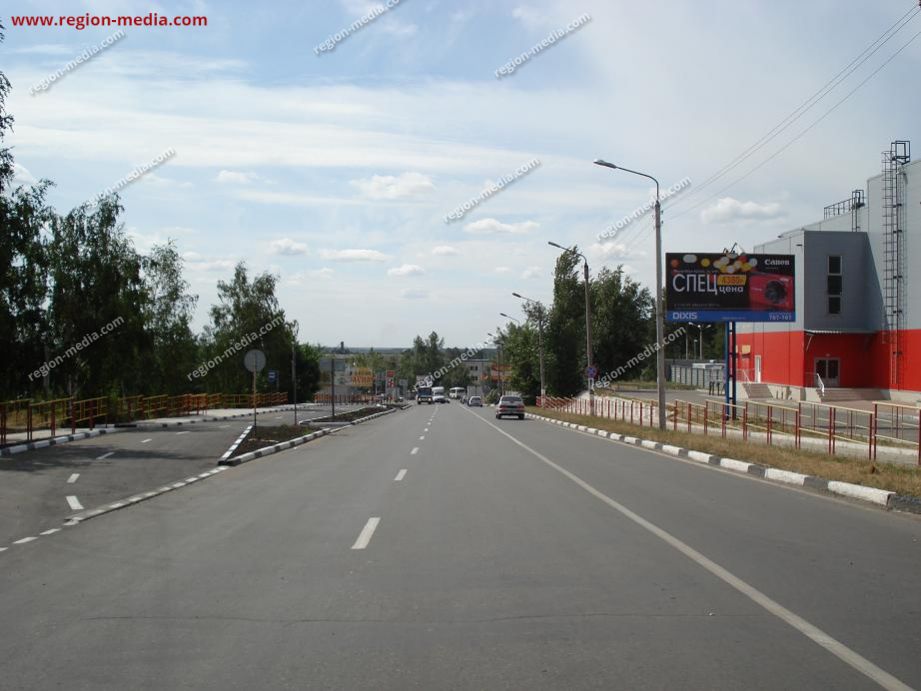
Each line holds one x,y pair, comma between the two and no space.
735,366
726,370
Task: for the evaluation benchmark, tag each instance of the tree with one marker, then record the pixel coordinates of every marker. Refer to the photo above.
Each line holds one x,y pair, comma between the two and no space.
622,321
248,315
96,284
23,271
564,342
168,318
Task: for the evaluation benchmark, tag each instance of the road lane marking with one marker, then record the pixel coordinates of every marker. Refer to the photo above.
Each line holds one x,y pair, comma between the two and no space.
74,503
422,437
426,429
810,631
51,531
183,432
146,440
24,540
104,456
400,475
73,478
364,537
414,451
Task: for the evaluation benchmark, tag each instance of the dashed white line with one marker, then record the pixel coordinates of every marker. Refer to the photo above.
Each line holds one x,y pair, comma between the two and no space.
414,451
3,549
144,441
73,478
51,531
364,537
74,503
24,540
400,475
177,485
422,438
104,456
185,431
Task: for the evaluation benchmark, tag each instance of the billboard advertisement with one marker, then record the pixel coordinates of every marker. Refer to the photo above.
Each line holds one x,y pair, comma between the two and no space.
720,287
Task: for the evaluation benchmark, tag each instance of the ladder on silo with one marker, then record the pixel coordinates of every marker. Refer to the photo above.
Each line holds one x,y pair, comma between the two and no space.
893,222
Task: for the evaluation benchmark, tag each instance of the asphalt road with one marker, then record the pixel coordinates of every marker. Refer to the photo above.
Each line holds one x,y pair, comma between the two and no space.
440,548
39,489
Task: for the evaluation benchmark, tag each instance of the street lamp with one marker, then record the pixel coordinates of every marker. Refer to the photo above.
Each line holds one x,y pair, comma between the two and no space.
508,316
588,325
701,327
540,342
498,343
660,307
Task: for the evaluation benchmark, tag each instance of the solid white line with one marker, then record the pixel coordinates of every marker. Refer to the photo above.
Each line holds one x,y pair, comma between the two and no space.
116,505
73,478
52,531
146,440
74,503
364,537
835,647
104,456
414,451
400,475
24,540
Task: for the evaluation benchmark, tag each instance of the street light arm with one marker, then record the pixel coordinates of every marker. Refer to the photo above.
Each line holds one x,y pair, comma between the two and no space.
599,162
570,250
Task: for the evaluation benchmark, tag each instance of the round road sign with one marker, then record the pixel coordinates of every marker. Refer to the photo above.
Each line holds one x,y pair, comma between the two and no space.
254,360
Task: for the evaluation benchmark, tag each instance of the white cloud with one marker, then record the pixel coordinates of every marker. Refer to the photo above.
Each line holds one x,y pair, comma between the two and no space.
531,272
445,251
406,270
502,269
22,176
354,255
287,247
394,187
490,225
610,250
414,294
306,277
728,209
196,262
530,17
235,177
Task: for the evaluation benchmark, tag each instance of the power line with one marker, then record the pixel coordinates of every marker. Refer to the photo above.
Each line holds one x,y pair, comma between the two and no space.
803,133
807,105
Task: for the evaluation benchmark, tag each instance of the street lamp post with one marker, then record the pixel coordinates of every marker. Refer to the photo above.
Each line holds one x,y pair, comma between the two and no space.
540,343
660,306
700,328
498,359
588,326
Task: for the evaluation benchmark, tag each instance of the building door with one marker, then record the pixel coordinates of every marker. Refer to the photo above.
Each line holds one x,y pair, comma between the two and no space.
757,369
828,370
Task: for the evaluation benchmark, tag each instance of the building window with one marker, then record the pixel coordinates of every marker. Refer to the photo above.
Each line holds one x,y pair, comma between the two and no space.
834,284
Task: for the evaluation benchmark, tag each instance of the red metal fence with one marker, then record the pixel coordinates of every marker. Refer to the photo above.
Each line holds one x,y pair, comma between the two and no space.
835,429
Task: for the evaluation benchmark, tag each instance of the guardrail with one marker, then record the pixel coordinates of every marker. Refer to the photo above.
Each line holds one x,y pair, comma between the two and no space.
31,418
834,429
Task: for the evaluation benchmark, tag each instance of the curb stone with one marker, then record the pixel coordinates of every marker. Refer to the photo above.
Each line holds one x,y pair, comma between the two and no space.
282,446
878,497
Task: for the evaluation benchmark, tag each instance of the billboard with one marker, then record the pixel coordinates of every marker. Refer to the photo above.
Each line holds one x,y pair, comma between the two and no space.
720,287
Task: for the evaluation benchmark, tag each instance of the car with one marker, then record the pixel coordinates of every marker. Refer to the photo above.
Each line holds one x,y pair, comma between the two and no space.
510,406
438,394
424,395
475,402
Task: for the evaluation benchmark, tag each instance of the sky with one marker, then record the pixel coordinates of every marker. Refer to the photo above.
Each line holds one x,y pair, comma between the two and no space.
335,169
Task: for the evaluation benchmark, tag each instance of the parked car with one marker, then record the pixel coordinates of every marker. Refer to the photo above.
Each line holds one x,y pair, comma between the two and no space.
475,402
510,405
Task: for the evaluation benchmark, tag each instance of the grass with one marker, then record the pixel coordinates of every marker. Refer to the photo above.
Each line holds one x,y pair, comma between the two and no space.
905,480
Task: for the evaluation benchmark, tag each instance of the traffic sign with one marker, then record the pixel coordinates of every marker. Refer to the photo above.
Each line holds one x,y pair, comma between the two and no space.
254,360
273,376
592,372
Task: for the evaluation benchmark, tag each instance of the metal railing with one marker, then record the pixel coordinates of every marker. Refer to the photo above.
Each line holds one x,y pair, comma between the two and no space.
835,430
28,419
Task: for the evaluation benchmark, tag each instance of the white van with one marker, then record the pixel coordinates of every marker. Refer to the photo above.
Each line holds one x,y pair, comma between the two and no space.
457,392
438,394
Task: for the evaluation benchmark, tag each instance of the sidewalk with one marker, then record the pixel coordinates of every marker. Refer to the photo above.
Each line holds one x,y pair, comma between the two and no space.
41,438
